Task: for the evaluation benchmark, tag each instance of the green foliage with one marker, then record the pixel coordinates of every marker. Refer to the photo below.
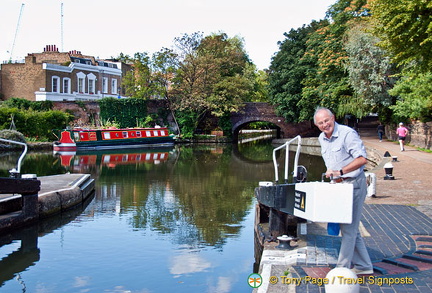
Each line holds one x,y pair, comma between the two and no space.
288,70
138,82
214,76
261,86
415,97
125,112
188,121
370,71
107,124
405,30
41,124
328,83
36,124
225,124
309,70
26,104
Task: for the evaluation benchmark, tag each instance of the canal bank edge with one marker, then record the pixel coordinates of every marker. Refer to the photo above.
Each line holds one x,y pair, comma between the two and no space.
63,192
58,193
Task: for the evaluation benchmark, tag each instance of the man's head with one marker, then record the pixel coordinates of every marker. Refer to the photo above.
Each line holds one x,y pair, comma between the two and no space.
324,120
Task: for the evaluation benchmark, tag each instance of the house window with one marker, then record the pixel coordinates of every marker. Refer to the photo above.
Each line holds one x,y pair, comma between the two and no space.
81,82
55,84
81,85
105,85
114,86
66,85
91,83
91,86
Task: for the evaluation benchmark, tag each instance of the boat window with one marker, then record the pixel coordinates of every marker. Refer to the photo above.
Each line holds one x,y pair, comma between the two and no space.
125,134
148,133
162,132
155,132
138,133
107,135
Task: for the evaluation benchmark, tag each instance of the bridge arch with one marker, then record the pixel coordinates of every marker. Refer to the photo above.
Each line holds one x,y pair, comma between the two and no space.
253,112
239,125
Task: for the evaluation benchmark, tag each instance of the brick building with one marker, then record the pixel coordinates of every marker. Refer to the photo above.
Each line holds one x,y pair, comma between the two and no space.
61,76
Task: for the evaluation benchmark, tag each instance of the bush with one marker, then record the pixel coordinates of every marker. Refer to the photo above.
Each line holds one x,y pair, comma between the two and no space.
41,124
12,135
35,124
26,104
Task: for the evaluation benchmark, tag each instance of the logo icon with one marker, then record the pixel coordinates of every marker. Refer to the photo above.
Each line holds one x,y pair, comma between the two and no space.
255,280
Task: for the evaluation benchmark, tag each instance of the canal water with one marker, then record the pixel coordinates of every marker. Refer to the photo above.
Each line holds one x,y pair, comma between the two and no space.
177,219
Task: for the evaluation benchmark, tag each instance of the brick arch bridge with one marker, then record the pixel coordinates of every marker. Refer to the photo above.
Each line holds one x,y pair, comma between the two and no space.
252,112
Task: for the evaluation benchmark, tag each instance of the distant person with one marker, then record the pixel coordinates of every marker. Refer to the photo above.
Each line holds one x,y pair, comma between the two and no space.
402,132
345,156
380,130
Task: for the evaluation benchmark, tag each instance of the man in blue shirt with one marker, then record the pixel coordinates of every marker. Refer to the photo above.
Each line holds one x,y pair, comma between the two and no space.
345,156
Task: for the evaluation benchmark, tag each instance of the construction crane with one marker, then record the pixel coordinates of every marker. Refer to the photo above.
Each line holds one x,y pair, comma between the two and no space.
61,18
16,31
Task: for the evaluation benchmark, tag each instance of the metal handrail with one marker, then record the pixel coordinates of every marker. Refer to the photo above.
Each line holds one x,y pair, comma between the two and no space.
286,146
17,171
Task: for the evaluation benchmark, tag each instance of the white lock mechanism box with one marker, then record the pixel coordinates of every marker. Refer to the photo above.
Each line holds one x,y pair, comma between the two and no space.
324,202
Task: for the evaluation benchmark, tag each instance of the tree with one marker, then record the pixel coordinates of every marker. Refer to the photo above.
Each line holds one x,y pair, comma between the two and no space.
371,73
310,70
415,97
327,84
260,93
138,82
165,65
405,28
287,71
212,76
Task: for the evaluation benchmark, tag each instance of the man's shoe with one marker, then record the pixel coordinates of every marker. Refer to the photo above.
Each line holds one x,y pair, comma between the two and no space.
362,272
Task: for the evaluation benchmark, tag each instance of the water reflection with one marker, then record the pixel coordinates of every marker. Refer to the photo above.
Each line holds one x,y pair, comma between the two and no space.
22,244
182,215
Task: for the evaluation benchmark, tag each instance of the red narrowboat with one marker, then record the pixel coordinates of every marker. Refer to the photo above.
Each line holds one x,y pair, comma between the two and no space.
104,139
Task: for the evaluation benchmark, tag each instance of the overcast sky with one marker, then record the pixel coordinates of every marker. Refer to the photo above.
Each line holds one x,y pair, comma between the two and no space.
105,28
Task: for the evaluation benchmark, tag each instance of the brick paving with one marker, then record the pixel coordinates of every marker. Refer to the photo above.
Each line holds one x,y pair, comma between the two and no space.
393,233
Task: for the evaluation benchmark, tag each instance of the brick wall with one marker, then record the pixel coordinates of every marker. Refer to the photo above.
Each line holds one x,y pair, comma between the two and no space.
84,116
20,80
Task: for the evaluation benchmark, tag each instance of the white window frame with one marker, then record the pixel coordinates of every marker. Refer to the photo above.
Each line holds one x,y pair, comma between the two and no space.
66,85
91,83
55,84
81,85
105,85
114,89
